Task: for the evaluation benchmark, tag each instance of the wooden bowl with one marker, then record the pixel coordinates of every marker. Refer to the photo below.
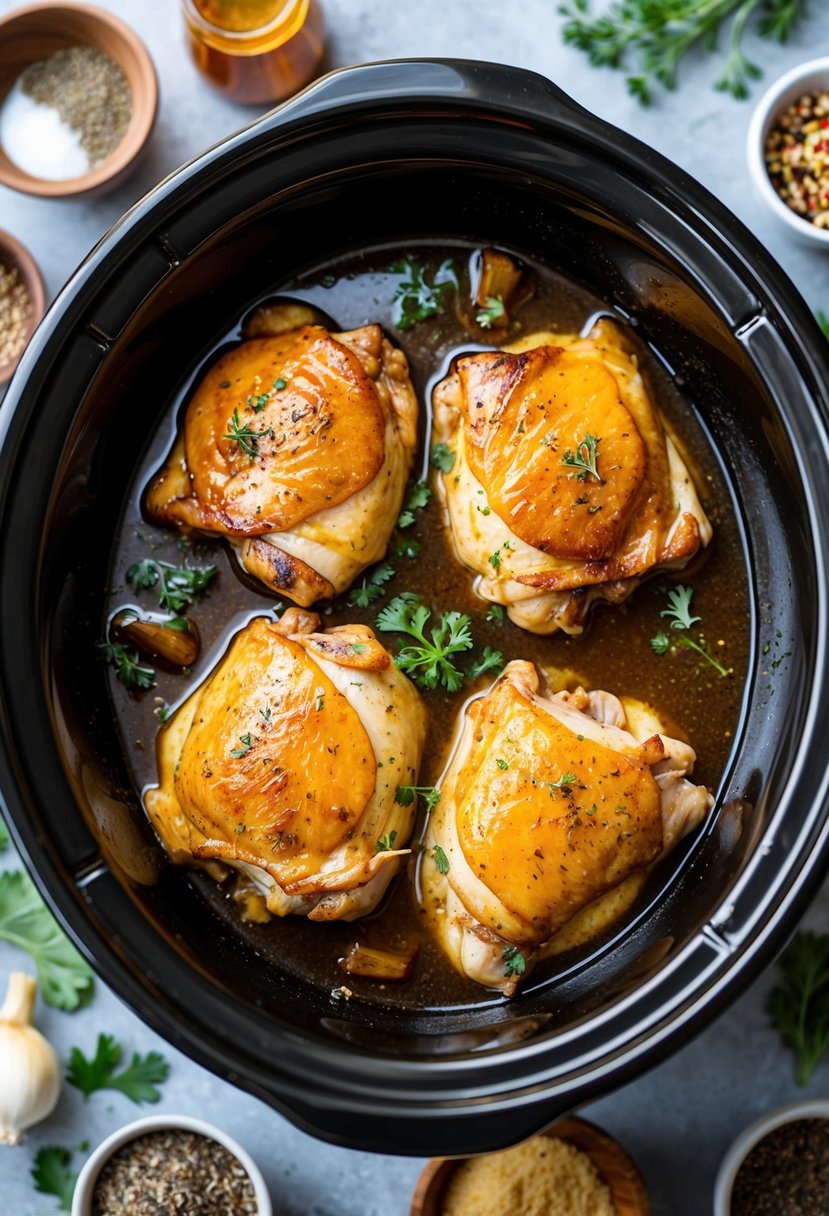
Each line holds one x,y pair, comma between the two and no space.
615,1167
35,32
16,256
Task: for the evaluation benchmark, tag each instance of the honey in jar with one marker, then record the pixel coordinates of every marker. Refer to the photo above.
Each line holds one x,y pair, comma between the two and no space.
255,51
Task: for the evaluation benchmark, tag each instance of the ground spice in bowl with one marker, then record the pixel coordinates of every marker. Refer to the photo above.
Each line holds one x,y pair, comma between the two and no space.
786,1173
797,157
15,308
173,1171
541,1177
66,114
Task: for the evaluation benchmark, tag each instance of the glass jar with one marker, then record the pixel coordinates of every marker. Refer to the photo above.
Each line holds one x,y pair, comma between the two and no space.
255,51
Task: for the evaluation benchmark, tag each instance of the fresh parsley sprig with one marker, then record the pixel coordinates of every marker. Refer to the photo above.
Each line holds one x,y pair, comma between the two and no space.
442,458
679,616
429,663
52,1175
138,1080
514,962
492,312
799,1006
373,587
490,660
417,497
416,298
652,36
179,586
66,981
129,669
405,795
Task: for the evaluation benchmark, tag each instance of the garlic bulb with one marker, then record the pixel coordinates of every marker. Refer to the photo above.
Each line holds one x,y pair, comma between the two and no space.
29,1068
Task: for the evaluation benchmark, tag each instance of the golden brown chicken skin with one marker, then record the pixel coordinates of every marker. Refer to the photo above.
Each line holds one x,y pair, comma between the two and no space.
548,802
296,446
566,487
284,764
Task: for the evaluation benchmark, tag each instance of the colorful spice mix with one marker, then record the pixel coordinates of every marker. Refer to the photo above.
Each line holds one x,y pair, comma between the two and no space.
797,157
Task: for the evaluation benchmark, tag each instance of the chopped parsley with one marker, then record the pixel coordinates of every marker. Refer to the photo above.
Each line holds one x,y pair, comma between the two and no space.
514,961
179,586
490,660
320,702
562,785
442,458
502,764
372,587
129,669
494,559
416,298
585,459
678,614
492,312
386,842
441,860
406,794
496,614
417,498
138,1080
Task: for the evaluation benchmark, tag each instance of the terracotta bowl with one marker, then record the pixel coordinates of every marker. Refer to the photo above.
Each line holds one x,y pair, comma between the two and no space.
615,1167
36,31
16,256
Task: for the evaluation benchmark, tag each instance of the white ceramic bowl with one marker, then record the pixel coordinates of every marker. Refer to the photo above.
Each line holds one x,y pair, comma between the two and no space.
805,78
818,1108
82,1199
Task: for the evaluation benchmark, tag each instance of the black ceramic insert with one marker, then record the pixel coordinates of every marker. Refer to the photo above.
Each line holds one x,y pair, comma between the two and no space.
390,153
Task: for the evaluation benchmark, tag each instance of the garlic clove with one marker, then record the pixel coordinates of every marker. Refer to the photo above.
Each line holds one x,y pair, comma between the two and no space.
30,1075
172,642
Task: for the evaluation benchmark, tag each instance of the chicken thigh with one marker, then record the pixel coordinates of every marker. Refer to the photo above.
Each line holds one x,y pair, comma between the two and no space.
548,802
566,487
284,764
296,446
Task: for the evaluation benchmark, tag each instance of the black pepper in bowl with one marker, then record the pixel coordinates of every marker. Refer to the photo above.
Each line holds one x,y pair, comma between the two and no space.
786,1173
165,1172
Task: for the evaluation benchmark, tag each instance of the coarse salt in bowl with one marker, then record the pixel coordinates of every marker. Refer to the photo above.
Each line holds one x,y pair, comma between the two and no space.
809,77
88,1177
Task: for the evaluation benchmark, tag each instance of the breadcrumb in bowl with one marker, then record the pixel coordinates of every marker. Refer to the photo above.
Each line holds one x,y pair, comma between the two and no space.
574,1169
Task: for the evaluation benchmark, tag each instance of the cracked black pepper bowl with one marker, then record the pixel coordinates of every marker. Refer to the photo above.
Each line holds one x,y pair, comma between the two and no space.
373,156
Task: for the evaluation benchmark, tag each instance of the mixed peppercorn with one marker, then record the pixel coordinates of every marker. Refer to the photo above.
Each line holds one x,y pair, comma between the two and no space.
797,157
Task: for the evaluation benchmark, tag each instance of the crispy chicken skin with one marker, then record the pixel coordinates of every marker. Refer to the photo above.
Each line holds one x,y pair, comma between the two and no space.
309,490
547,537
548,802
284,765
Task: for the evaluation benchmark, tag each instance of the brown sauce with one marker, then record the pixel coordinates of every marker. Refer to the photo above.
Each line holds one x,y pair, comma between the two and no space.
614,652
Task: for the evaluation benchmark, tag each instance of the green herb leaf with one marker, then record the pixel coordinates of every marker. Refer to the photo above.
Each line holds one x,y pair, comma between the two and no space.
441,860
799,1007
246,742
652,36
243,434
490,660
416,298
417,498
138,1080
584,459
143,574
442,457
52,1175
492,312
502,764
494,559
562,785
180,585
496,614
514,961
4,836
129,669
386,842
660,642
679,614
429,663
405,795
409,547
372,588
65,980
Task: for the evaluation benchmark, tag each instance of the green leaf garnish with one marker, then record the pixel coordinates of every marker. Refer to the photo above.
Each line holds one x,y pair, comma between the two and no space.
799,1006
52,1175
138,1080
584,459
441,860
429,663
492,312
442,457
416,298
65,979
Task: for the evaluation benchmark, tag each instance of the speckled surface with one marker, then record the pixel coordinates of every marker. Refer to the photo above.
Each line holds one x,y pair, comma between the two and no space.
677,1120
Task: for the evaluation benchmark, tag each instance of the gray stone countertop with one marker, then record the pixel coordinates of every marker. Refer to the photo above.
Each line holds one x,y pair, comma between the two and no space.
678,1119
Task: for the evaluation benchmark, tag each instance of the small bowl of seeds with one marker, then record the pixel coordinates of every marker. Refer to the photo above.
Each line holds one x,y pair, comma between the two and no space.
170,1163
22,302
778,1164
788,150
78,99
